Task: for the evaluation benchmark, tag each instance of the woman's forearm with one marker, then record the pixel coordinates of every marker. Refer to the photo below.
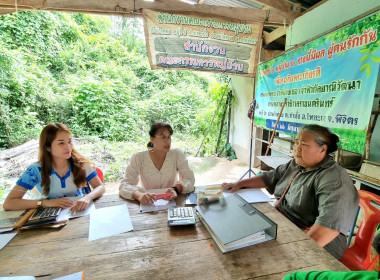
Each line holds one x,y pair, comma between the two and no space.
19,204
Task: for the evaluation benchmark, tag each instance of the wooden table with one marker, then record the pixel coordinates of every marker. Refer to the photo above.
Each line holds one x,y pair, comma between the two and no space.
155,251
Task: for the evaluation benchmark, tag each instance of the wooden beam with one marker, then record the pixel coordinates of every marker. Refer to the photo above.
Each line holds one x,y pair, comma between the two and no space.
281,40
269,54
270,18
279,5
364,178
374,10
313,7
275,34
131,7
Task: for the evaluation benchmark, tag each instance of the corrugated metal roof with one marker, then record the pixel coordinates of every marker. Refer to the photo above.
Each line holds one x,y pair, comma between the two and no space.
249,4
278,44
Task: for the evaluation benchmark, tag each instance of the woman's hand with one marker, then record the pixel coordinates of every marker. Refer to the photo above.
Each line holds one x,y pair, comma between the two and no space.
62,202
145,198
81,204
173,194
233,187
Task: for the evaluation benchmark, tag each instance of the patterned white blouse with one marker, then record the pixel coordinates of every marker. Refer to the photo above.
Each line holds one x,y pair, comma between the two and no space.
175,170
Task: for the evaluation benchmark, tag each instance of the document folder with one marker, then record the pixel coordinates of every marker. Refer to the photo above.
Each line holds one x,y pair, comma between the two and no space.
233,223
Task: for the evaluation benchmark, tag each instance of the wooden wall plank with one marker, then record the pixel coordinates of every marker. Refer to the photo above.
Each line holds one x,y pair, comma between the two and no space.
133,8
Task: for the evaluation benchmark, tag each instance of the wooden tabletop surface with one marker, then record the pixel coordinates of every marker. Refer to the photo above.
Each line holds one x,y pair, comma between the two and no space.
155,251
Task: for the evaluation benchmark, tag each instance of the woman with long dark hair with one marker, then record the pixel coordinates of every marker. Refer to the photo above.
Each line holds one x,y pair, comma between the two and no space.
159,167
59,173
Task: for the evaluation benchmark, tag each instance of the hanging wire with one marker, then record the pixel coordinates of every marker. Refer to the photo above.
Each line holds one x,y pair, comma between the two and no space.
267,17
119,8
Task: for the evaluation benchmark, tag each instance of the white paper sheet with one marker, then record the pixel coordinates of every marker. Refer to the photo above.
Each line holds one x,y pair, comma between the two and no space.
18,278
5,238
67,214
74,276
6,229
251,195
109,221
158,205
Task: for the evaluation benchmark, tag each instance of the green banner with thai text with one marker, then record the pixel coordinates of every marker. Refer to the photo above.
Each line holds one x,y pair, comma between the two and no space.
201,42
330,81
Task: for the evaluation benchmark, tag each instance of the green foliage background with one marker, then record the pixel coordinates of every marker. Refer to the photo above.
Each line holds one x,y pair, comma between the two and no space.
92,73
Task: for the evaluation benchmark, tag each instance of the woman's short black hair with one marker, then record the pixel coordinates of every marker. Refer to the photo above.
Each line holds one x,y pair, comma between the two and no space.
322,136
156,127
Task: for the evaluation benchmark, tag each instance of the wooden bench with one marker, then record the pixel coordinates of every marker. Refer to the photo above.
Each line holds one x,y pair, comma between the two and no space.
369,174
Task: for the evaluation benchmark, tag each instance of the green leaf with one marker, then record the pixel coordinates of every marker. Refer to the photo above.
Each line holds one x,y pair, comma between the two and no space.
364,67
364,58
376,59
368,70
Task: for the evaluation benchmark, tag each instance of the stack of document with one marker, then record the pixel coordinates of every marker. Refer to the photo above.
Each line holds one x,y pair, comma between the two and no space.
9,219
233,223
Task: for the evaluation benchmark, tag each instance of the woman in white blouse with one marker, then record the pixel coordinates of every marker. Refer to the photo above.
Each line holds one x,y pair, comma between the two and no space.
157,168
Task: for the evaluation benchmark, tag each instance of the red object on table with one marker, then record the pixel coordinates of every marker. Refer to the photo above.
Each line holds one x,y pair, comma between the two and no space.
162,195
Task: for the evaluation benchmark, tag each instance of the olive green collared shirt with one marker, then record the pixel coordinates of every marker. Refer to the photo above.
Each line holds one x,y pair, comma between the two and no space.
324,195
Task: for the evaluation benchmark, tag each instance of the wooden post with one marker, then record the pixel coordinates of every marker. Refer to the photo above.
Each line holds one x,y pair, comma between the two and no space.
275,127
371,126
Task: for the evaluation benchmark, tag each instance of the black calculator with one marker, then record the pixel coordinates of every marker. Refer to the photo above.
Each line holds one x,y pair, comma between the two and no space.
43,216
180,216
